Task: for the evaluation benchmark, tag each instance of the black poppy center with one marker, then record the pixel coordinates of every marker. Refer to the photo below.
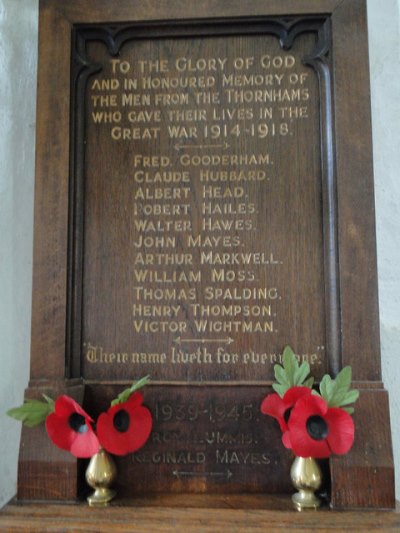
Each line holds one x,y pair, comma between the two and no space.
77,423
286,414
121,421
317,428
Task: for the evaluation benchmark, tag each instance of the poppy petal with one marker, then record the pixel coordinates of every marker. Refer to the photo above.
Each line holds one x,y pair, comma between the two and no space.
295,393
303,445
59,432
274,406
286,440
105,430
134,437
140,428
312,404
341,430
111,440
67,437
135,399
277,407
85,444
65,406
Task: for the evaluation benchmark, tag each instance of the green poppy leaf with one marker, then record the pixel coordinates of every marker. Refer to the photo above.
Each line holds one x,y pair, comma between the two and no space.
49,400
351,397
301,373
32,412
337,398
343,379
281,376
127,393
330,386
290,363
309,382
323,387
279,389
336,392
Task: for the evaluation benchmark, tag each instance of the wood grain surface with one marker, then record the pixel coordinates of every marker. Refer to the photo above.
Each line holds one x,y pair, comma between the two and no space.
194,514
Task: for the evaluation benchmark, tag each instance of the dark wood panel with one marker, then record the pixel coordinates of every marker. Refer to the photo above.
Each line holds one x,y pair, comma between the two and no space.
205,439
240,293
51,200
45,471
100,11
370,462
358,272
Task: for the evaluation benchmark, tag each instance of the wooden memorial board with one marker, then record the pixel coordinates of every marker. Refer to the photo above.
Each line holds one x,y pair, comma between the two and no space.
204,197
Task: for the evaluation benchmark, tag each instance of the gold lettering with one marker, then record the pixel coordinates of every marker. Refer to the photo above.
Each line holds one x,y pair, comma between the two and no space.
154,276
166,193
200,356
154,242
237,457
130,134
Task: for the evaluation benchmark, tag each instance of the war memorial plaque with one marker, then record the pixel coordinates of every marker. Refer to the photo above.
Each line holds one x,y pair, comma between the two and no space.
202,198
206,213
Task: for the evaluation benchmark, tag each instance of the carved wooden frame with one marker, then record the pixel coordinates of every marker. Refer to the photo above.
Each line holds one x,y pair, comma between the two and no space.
113,37
364,478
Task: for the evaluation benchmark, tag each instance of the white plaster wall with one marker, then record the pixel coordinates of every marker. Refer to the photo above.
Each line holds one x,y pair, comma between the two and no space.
384,49
18,55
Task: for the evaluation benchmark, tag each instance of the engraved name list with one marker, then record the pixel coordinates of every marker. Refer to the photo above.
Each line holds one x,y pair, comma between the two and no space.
203,245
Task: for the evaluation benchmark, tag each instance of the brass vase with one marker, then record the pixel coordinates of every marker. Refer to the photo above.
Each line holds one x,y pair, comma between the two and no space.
100,474
306,478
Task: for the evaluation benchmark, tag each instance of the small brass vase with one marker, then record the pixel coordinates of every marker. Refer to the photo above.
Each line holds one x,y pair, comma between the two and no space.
100,474
306,478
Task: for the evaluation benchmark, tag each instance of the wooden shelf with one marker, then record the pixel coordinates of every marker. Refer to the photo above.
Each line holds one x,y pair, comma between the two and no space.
191,513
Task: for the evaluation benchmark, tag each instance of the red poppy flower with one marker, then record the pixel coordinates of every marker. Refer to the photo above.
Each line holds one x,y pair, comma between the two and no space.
316,430
280,408
125,427
70,428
